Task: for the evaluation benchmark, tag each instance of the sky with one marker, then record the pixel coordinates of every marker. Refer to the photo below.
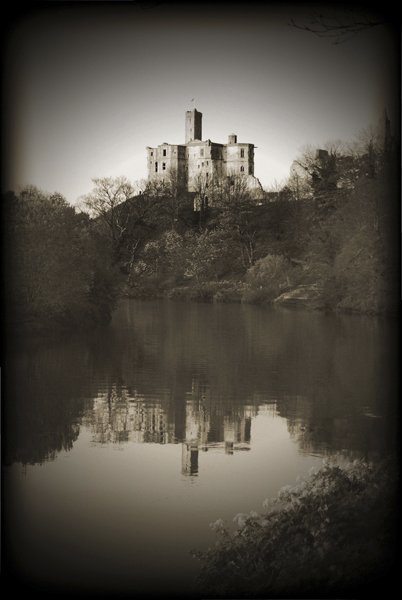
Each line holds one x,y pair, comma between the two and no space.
87,88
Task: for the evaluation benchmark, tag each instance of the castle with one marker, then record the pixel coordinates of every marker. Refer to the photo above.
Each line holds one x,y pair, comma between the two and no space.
199,163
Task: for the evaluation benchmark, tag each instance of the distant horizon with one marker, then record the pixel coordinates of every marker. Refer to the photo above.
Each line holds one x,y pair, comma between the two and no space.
88,88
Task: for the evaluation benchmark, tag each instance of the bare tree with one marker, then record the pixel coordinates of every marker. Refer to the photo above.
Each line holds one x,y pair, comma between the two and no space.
202,188
298,183
317,168
237,213
104,201
339,26
170,195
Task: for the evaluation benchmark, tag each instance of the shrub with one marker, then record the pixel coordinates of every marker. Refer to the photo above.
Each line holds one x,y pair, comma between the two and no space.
269,277
332,532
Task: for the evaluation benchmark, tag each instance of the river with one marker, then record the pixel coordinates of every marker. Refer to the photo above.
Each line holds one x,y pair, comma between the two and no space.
124,444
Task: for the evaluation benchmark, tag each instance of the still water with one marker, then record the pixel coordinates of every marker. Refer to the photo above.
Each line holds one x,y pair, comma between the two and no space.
124,444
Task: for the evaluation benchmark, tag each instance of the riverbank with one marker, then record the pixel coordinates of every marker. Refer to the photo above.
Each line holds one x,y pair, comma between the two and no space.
312,297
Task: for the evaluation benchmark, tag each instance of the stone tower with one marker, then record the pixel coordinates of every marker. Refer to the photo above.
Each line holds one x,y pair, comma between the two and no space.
193,125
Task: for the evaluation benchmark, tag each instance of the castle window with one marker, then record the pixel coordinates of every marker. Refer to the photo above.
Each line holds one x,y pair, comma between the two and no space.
163,166
202,164
156,167
242,153
206,174
152,153
202,152
164,152
207,163
242,169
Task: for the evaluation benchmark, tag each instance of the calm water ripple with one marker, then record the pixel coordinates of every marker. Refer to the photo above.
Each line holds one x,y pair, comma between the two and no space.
123,445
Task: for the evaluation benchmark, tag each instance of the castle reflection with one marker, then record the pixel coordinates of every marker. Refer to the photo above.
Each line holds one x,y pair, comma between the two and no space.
168,373
119,416
227,429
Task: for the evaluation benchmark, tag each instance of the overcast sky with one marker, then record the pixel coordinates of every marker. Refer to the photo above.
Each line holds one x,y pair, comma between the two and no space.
87,89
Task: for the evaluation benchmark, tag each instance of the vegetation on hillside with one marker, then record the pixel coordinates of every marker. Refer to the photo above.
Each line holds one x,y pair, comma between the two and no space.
332,533
330,229
328,235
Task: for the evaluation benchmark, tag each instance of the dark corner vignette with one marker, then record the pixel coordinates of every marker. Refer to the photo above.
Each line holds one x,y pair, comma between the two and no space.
13,578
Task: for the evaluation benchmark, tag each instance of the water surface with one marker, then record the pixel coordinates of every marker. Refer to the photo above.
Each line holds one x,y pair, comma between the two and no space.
123,445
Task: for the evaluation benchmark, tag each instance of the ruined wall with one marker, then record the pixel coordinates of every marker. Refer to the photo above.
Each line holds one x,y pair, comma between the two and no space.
167,159
204,161
239,157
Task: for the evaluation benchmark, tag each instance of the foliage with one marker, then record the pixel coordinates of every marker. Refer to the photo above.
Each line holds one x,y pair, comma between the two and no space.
204,254
331,226
269,277
359,249
104,203
160,264
331,533
58,272
125,220
237,214
175,258
172,201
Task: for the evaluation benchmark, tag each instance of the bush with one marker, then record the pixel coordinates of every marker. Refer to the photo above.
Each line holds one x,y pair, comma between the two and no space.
330,533
269,277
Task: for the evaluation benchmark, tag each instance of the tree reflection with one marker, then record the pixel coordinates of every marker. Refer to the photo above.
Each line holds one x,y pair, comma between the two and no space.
47,389
198,374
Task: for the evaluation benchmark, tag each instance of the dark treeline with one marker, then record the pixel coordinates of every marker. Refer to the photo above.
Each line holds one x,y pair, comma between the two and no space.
326,239
57,264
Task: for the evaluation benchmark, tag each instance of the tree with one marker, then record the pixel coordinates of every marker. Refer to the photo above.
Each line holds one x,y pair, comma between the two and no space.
314,171
171,198
103,204
201,200
339,26
53,263
298,182
204,255
236,212
268,277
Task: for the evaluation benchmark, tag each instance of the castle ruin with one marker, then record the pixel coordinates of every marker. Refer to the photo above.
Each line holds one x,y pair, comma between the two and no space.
199,163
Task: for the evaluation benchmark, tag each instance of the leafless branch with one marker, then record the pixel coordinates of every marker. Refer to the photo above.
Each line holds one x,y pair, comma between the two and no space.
339,29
